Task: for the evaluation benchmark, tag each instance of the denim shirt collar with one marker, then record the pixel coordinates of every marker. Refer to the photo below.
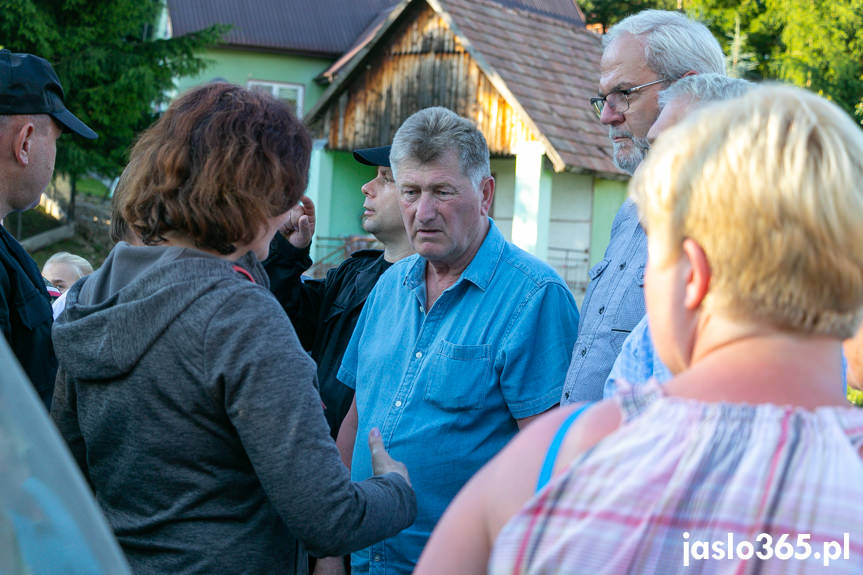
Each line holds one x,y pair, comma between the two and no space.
480,269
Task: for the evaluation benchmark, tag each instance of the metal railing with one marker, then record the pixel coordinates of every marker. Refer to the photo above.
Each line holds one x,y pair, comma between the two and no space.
572,265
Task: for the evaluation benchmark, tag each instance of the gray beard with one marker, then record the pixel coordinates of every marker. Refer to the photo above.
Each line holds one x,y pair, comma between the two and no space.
628,159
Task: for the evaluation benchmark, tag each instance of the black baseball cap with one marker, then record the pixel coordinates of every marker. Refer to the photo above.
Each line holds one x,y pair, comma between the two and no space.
29,85
374,156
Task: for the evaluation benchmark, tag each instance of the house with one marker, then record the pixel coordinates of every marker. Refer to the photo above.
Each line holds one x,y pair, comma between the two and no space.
273,45
523,70
525,77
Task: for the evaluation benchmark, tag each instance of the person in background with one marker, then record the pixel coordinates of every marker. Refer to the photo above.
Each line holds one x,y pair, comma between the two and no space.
638,361
62,270
32,117
324,312
183,392
458,346
642,54
752,440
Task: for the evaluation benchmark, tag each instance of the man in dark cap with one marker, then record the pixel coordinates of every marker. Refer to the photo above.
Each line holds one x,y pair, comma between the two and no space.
324,312
32,117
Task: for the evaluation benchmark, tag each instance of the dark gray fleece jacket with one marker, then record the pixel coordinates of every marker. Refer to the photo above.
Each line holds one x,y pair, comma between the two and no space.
190,406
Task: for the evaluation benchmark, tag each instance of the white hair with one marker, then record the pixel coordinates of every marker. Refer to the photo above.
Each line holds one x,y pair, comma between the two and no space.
673,43
705,88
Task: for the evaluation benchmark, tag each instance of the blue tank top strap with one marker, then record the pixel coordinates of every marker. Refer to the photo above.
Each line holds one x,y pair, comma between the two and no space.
551,456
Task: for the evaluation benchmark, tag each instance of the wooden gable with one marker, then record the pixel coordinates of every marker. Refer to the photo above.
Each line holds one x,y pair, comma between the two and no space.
419,63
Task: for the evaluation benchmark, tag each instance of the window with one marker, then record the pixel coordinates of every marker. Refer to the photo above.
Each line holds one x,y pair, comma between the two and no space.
290,94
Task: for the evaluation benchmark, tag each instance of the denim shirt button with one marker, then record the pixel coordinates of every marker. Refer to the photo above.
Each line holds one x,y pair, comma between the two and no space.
622,266
398,403
377,557
602,310
583,351
419,354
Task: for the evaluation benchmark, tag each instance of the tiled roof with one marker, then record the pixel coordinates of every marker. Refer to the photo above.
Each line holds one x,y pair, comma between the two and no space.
546,66
549,66
323,27
560,9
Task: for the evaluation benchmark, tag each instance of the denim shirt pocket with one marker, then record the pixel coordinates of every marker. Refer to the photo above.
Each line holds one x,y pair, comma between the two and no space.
458,376
596,271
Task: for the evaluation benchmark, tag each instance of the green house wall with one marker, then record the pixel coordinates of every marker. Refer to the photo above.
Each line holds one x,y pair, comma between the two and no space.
347,207
240,66
608,195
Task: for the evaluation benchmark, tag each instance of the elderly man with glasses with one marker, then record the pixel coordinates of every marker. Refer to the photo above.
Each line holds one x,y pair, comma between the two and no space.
643,54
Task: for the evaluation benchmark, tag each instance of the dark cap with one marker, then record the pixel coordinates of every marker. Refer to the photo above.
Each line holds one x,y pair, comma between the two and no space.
29,85
373,156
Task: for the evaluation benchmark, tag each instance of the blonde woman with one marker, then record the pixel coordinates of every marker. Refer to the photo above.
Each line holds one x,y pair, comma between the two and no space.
755,276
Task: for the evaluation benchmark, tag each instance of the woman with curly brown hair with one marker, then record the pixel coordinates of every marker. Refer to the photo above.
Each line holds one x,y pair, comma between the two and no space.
184,393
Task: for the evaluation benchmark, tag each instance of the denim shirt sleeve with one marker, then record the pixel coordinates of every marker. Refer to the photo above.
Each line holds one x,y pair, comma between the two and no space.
535,355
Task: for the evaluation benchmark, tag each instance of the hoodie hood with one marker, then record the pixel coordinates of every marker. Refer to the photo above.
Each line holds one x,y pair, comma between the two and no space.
114,315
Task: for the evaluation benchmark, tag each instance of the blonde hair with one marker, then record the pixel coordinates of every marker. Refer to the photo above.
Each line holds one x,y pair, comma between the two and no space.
769,185
81,265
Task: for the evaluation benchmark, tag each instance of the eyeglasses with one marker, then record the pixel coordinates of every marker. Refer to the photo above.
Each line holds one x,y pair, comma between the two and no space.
618,99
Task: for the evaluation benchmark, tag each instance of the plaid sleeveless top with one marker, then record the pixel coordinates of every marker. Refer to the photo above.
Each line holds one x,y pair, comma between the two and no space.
690,487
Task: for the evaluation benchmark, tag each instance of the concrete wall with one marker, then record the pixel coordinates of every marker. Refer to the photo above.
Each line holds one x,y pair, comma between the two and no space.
503,206
569,228
569,225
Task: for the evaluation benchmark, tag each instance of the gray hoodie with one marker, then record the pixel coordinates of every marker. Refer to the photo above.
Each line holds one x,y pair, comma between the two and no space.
190,406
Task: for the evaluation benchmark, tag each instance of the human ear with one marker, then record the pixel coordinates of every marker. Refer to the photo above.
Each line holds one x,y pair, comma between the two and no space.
22,143
487,188
698,274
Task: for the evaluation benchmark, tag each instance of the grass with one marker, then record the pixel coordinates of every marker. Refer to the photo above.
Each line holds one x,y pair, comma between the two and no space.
92,187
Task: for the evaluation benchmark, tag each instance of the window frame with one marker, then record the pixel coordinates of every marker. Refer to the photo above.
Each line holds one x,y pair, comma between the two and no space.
274,90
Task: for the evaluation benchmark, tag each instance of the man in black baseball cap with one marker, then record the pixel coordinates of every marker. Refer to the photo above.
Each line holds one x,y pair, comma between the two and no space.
324,312
32,117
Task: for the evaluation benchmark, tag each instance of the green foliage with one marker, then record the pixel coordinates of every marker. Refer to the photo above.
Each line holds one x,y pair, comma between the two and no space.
609,12
114,72
816,44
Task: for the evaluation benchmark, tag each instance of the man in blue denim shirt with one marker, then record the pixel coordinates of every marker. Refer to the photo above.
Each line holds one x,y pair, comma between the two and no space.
644,52
457,347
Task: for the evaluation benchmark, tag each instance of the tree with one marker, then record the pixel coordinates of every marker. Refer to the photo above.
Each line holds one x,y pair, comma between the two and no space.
115,73
816,44
609,12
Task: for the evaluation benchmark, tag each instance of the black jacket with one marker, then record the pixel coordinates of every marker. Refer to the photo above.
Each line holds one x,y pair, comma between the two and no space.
324,312
26,316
